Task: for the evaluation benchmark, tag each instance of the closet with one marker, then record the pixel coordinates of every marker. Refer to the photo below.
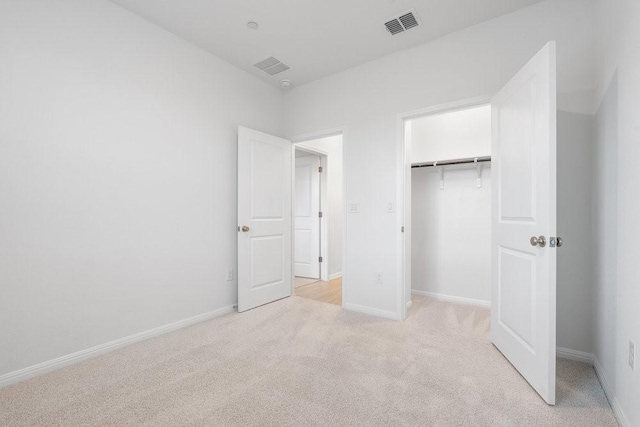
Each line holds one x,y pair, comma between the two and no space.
451,205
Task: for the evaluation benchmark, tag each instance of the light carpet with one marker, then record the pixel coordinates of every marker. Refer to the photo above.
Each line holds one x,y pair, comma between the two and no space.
302,362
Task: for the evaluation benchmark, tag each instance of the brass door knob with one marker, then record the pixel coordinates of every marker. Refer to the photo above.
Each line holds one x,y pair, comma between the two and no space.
245,229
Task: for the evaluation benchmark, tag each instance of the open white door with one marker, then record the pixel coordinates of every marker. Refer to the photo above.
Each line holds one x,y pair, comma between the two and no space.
264,218
523,315
306,217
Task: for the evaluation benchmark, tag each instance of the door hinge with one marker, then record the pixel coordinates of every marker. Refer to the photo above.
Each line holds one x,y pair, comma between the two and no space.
402,229
319,169
319,259
319,214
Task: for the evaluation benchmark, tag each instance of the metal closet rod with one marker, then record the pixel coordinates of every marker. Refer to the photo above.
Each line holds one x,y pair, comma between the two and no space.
452,162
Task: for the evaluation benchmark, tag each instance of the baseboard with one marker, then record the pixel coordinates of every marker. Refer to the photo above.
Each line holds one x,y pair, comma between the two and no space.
450,298
579,356
335,275
371,311
70,359
608,391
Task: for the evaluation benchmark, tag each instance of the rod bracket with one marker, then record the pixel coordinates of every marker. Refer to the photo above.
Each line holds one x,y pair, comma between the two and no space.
479,170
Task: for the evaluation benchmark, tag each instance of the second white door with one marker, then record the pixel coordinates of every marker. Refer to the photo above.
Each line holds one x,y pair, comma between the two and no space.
307,217
264,218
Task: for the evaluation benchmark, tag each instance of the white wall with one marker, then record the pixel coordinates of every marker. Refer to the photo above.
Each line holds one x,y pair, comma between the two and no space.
451,135
605,167
574,272
451,233
332,145
619,51
368,98
117,175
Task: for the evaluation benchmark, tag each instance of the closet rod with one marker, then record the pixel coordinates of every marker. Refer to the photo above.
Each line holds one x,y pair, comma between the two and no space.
453,162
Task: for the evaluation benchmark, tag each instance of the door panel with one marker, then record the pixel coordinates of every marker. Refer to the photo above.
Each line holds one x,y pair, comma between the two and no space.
523,316
307,221
264,208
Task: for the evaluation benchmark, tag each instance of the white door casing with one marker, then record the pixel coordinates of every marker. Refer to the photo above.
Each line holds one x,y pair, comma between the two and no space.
523,315
264,209
306,218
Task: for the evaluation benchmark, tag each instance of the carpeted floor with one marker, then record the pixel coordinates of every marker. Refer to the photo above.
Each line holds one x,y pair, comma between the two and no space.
301,362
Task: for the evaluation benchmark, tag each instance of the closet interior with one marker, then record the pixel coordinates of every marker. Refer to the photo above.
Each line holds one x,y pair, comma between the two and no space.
451,205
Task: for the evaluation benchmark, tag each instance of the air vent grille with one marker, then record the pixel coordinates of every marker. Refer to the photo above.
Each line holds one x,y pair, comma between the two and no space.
402,22
271,66
278,68
408,21
394,26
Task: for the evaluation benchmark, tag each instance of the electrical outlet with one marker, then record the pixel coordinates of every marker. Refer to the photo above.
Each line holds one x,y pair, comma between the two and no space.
378,276
632,355
389,207
230,275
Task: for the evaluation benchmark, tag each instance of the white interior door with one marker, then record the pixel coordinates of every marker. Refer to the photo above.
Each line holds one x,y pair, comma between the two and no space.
307,220
523,315
264,218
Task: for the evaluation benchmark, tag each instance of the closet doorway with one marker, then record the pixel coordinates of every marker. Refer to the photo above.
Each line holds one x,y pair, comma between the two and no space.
318,219
451,205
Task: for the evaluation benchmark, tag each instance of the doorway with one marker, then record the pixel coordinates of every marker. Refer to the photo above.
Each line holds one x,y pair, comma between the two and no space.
451,205
318,219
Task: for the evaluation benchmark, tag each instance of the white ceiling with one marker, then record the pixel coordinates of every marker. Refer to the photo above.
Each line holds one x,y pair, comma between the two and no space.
316,38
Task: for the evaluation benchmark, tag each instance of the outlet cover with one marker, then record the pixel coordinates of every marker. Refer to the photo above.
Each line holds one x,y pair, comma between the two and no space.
230,275
632,355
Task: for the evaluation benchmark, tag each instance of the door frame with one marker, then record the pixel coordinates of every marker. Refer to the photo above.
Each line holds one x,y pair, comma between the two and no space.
324,226
403,179
299,140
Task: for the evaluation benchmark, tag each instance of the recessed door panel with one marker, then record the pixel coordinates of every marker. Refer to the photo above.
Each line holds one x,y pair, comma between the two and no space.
267,180
516,135
517,299
267,254
303,246
303,190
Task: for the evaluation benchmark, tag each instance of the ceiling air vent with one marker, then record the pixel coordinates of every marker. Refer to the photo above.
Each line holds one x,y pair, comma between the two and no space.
271,66
402,22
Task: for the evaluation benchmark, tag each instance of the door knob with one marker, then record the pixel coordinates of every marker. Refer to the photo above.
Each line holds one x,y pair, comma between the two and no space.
538,241
559,241
245,229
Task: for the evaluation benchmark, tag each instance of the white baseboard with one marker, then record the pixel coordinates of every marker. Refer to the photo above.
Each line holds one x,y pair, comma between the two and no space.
335,275
371,311
606,386
69,359
579,356
450,298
